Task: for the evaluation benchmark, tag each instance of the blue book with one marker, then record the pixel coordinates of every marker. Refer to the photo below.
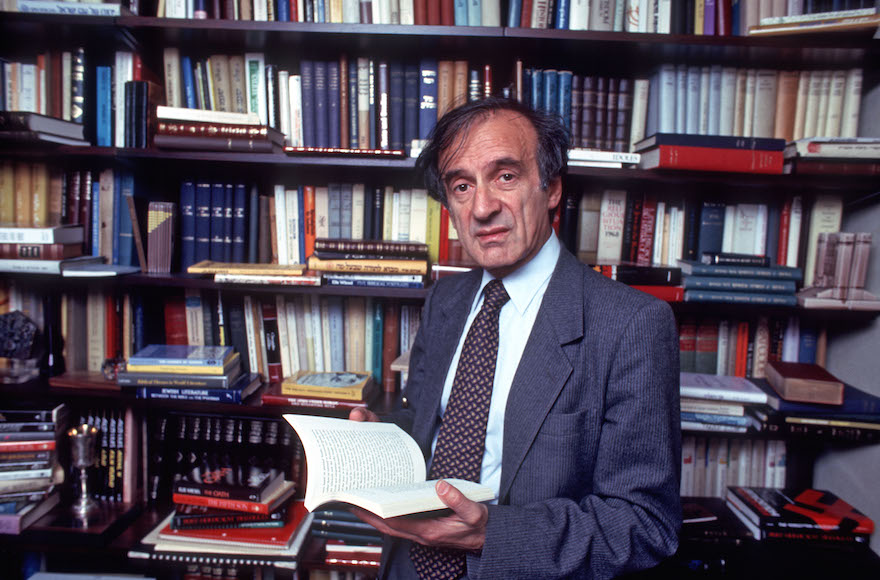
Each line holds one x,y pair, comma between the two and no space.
739,284
322,130
320,11
352,108
562,10
735,17
461,12
711,228
410,105
227,222
378,209
239,223
773,217
345,211
333,103
139,339
725,297
183,355
218,199
125,235
427,96
514,13
536,97
203,222
475,13
716,141
247,384
855,403
117,202
307,73
187,224
189,83
336,320
374,134
378,315
282,11
808,340
691,230
253,222
563,97
96,217
372,283
334,210
395,105
694,268
103,106
300,198
369,201
742,421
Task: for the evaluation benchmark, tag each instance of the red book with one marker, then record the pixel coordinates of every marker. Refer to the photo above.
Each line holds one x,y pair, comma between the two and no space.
447,12
294,13
269,505
712,159
272,396
309,227
390,345
434,13
742,349
10,446
40,251
666,293
724,23
175,321
264,537
784,226
273,349
525,19
420,12
646,231
55,85
443,254
687,345
804,382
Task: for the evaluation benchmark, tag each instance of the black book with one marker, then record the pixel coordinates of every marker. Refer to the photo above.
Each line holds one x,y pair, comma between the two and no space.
709,520
203,517
230,481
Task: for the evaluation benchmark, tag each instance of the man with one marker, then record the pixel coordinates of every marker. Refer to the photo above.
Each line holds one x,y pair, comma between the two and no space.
582,440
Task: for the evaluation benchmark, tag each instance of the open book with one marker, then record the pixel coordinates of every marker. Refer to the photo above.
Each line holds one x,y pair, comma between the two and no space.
376,466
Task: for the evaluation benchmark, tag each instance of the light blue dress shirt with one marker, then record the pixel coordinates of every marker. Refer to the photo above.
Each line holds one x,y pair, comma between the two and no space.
526,287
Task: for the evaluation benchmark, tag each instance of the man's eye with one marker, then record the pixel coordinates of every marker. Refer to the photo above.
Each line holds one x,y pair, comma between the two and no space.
507,176
460,188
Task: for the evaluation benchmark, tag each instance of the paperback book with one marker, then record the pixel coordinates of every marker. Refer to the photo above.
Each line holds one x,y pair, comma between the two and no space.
245,482
348,386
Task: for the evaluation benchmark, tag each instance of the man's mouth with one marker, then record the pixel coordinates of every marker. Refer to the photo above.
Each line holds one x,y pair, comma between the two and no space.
493,234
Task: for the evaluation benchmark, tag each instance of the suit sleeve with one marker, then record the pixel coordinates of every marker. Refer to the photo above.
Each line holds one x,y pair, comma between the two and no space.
628,513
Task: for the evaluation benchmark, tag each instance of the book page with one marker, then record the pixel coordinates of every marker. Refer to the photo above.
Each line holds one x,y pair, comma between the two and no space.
409,498
344,455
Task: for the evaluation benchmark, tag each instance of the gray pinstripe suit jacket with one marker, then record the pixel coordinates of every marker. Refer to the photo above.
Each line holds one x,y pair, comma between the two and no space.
591,458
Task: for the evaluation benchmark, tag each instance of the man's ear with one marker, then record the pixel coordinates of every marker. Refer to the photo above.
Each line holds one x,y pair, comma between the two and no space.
554,193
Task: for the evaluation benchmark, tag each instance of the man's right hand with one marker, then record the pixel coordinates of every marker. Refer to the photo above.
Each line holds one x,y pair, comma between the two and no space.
363,415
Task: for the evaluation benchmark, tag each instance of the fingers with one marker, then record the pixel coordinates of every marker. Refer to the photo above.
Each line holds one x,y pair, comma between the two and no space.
363,415
471,513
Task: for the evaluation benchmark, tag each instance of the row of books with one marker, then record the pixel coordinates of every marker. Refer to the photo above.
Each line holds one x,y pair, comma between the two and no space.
710,464
31,470
50,84
28,127
746,102
751,282
840,273
830,156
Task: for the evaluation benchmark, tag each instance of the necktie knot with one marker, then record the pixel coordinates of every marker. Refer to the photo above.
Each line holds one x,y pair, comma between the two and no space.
494,295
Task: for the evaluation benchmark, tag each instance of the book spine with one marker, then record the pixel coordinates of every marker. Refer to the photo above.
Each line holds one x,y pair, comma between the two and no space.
126,379
369,266
711,159
220,503
270,329
384,248
739,297
189,394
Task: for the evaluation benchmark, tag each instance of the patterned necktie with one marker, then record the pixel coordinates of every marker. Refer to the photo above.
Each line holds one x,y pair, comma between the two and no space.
462,438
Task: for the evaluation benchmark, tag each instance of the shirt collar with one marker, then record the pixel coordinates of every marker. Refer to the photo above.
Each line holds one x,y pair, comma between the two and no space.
523,284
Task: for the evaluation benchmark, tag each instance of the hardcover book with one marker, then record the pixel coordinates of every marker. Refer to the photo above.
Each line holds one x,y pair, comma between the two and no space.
182,355
720,387
194,516
804,382
379,459
271,503
245,386
243,482
348,386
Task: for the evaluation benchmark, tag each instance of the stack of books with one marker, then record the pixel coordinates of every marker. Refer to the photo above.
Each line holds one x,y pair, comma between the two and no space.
234,273
18,127
840,273
711,153
347,540
29,468
329,391
187,372
370,263
739,279
719,403
200,130
578,157
42,250
811,516
833,156
663,282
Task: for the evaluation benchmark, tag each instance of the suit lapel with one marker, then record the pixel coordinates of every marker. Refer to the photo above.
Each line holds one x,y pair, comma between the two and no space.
544,367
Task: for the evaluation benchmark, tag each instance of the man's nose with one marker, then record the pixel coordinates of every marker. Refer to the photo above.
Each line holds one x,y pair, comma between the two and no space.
486,202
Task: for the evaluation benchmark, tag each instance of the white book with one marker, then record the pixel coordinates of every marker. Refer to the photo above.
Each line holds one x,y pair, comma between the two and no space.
742,450
673,243
749,103
659,219
761,224
745,228
284,104
204,116
27,87
281,224
644,6
664,16
834,117
318,335
766,86
377,14
727,101
260,13
395,217
791,339
284,335
379,467
631,16
255,76
490,12
723,346
53,235
357,211
688,444
722,388
407,12
579,15
729,227
44,266
715,73
388,213
800,114
794,231
769,463
824,92
683,98
641,90
666,83
742,76
780,470
826,216
705,86
351,11
718,452
294,334
195,322
418,215
322,212
687,115
611,218
811,110
650,20
66,90
250,332
601,15
123,71
294,93
369,322
304,303
852,100
293,227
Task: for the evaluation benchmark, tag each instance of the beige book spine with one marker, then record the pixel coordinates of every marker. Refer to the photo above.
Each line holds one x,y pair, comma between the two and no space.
173,89
800,115
852,100
739,102
786,105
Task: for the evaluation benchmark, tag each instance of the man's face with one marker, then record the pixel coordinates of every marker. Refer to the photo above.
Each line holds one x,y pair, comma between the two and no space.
493,187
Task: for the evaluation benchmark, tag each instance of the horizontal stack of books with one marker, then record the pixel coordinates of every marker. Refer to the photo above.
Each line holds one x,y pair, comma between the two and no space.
29,468
187,372
662,282
18,127
840,273
329,391
42,250
347,540
739,279
833,156
719,403
235,273
711,153
373,263
200,130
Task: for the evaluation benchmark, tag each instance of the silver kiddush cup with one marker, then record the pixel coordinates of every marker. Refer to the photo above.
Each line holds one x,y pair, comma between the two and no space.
83,452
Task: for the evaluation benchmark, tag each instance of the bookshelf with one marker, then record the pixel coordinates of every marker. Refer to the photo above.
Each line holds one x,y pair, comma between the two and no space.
586,52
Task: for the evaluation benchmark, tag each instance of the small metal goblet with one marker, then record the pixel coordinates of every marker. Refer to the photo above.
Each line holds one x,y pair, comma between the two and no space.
83,451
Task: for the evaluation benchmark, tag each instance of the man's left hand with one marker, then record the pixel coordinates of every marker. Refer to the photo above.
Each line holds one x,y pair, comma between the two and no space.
463,529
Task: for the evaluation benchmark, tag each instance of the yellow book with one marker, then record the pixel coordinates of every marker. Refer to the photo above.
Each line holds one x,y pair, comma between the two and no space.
432,236
24,195
370,266
209,267
186,369
345,386
7,194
